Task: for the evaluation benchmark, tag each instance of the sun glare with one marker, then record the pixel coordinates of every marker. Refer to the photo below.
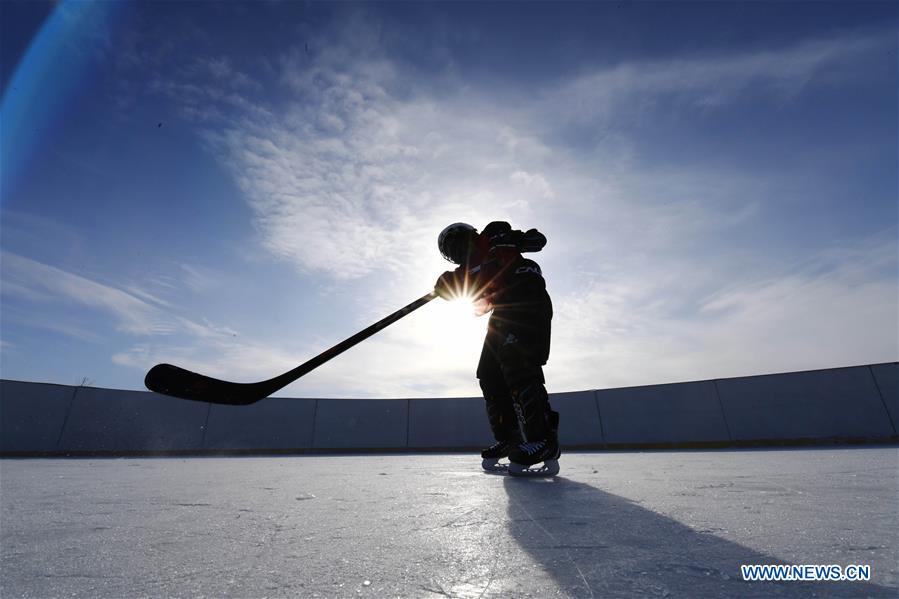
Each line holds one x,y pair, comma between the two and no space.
461,306
456,330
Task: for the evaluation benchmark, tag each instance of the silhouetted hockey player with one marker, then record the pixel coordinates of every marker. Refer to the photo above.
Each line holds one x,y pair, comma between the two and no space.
493,272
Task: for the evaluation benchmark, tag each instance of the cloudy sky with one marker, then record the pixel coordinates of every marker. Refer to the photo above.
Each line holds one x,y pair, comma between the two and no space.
235,187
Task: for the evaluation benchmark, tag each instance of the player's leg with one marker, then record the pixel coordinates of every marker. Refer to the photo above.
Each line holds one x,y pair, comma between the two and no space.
521,355
498,402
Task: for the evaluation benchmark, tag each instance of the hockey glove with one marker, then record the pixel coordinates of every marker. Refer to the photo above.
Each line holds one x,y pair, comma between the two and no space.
447,285
499,234
530,241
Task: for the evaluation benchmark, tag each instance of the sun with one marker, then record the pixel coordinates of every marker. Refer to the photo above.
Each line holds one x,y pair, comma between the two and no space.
455,330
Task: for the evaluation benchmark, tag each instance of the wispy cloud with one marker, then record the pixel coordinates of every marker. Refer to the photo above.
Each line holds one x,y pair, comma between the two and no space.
235,361
358,165
164,335
133,310
197,278
33,280
27,318
630,89
836,309
207,330
146,296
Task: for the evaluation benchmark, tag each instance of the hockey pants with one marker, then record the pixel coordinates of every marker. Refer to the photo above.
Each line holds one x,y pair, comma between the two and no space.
511,378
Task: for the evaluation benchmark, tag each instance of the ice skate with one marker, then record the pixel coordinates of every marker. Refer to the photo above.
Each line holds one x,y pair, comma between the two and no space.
537,458
490,457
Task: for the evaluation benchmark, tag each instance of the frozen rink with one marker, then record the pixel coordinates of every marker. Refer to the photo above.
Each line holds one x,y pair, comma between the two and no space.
651,524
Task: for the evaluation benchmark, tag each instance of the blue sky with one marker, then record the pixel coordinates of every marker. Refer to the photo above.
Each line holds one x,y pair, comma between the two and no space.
234,187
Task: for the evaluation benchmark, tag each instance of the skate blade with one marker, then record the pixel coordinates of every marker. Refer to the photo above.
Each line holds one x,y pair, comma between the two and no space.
549,468
493,466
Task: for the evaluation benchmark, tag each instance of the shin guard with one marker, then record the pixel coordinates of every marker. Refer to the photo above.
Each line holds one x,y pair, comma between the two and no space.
500,413
534,416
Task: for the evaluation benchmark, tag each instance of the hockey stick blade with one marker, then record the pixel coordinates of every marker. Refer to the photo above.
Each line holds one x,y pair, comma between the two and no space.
178,382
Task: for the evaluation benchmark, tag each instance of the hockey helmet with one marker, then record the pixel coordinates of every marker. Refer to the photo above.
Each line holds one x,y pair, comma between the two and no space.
454,242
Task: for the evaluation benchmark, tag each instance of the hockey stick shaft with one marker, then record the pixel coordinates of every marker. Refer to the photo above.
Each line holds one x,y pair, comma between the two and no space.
178,382
310,365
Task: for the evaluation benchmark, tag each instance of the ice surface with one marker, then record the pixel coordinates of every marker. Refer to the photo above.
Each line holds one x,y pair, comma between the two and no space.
657,524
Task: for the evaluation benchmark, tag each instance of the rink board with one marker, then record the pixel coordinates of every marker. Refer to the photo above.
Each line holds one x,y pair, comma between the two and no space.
674,413
887,378
361,424
107,420
448,423
859,403
579,423
836,403
276,423
32,415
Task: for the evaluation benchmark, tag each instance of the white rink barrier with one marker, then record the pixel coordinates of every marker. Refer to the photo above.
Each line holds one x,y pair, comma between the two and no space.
675,413
448,423
111,421
852,404
887,378
842,402
579,418
361,424
275,424
32,415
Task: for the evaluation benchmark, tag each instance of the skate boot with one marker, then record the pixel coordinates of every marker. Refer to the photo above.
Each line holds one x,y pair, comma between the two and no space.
491,456
503,424
524,457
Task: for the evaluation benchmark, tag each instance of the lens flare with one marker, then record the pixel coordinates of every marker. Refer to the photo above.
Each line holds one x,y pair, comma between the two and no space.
56,65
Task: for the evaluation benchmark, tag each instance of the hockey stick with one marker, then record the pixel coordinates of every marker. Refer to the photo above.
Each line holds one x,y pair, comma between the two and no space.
178,382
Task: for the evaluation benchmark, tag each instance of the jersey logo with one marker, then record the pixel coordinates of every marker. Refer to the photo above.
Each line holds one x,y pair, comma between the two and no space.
525,269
